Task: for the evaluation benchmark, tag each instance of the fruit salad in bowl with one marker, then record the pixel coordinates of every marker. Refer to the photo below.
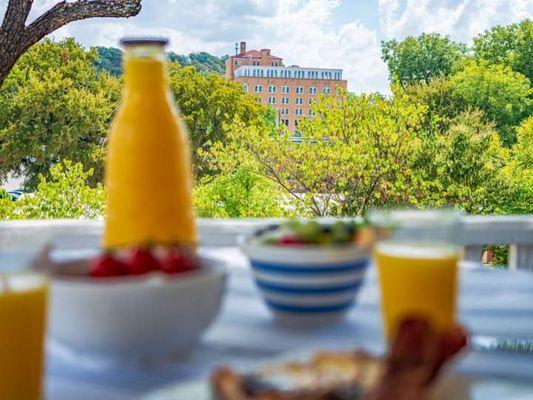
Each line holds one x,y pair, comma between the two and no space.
145,303
309,271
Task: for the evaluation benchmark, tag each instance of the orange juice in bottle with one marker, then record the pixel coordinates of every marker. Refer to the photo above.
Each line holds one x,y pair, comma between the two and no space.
148,167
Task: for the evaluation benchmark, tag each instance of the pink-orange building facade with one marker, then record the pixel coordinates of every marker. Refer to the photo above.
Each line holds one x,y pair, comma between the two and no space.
290,90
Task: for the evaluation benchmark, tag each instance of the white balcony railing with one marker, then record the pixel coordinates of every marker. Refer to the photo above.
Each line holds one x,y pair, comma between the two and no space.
514,231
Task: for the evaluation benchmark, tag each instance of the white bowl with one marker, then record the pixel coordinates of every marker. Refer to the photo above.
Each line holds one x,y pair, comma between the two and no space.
145,317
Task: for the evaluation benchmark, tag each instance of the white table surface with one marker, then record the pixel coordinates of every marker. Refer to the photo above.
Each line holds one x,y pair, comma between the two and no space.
492,302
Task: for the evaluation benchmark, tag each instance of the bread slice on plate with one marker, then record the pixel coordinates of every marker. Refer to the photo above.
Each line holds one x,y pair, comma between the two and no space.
326,376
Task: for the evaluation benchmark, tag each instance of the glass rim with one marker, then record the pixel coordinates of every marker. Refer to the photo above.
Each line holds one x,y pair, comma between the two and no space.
412,217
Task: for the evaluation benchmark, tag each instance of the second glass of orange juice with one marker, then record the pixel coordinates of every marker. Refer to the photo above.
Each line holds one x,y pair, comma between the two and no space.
417,262
23,304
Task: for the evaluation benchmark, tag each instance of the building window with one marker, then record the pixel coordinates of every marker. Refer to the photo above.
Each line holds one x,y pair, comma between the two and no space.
285,122
245,87
284,111
271,89
299,89
299,100
311,112
338,90
312,101
298,111
271,100
258,88
326,90
285,89
285,100
312,90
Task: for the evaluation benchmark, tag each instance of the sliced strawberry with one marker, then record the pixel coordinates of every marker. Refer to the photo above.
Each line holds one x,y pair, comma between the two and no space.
289,240
176,261
106,265
141,261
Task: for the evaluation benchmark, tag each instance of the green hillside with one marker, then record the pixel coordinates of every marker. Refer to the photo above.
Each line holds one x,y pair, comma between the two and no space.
110,60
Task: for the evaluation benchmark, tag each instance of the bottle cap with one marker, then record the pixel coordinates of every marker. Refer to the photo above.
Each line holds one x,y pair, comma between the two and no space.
146,41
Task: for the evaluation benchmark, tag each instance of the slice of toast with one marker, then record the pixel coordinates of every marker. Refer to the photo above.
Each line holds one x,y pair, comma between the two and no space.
327,376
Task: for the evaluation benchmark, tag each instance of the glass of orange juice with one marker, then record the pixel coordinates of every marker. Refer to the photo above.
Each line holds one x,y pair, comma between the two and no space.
417,255
23,314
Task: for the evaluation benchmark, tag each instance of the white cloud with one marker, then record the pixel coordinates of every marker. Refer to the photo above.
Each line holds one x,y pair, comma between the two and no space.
300,31
303,32
460,19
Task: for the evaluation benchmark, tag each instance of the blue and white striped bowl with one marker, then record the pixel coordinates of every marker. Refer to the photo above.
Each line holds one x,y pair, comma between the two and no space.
309,284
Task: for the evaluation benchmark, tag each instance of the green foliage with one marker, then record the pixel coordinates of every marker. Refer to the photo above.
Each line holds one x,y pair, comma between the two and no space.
523,150
354,155
422,58
241,194
366,151
460,165
65,194
53,106
203,62
109,60
518,199
502,94
510,45
208,103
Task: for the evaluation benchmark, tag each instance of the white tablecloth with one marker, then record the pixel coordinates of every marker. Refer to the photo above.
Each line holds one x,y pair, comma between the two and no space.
492,302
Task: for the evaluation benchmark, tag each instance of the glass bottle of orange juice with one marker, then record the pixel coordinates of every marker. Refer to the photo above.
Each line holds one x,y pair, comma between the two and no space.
148,167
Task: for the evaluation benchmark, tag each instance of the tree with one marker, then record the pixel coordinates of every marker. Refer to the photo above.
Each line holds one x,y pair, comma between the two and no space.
519,173
65,194
109,60
422,58
53,106
240,194
16,37
202,61
460,166
355,154
503,95
510,45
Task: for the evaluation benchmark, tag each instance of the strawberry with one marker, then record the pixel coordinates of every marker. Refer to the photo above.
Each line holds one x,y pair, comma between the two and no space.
289,240
141,261
177,261
106,265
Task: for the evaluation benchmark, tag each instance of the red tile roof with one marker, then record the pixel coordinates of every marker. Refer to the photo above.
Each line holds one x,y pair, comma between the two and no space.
255,54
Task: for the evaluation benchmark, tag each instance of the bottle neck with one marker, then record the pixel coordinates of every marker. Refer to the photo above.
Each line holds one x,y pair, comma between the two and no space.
145,68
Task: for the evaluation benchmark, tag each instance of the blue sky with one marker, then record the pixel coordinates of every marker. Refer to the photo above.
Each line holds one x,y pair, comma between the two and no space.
312,33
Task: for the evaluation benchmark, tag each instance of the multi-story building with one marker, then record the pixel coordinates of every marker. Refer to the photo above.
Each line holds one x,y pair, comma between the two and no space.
291,91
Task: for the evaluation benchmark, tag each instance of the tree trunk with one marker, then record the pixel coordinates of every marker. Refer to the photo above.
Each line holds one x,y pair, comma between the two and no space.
16,37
